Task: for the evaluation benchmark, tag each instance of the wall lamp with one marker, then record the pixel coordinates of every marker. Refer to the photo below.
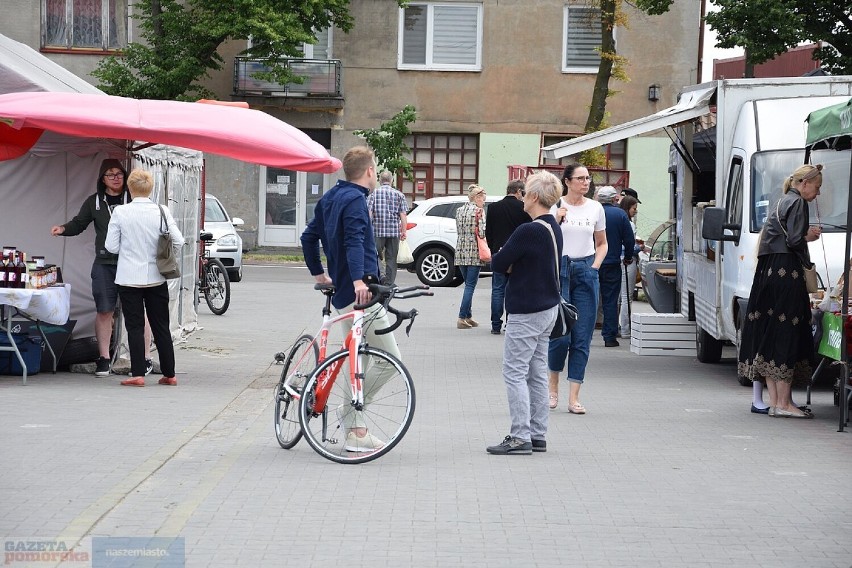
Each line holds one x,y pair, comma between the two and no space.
654,93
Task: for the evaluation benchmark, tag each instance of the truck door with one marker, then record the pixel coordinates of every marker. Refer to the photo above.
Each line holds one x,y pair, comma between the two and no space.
733,252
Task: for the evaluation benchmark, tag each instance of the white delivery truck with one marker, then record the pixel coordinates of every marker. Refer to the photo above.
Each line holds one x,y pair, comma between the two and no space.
734,142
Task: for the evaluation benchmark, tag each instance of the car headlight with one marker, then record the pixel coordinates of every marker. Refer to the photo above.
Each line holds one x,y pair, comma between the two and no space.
227,241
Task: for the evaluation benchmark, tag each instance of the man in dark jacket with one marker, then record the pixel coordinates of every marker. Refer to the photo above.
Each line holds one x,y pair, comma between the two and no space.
501,220
97,208
620,240
342,224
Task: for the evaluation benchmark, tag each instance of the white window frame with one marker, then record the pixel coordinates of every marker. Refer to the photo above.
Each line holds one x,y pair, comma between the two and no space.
430,14
69,44
566,17
308,48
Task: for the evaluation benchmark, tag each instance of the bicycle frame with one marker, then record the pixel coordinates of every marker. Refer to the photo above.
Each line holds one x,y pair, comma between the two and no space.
351,343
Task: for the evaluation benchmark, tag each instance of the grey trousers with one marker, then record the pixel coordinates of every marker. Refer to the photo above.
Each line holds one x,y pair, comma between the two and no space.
525,372
388,248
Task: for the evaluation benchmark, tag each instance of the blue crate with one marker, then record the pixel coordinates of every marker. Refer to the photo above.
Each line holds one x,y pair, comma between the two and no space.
30,346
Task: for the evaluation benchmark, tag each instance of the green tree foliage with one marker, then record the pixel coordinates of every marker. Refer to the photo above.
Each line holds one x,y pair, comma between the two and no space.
181,38
766,28
612,65
388,141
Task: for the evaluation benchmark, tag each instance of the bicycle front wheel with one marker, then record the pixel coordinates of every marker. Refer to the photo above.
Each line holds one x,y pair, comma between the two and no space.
217,288
344,434
302,359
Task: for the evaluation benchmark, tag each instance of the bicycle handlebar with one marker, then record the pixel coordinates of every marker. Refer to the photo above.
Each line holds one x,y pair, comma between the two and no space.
385,294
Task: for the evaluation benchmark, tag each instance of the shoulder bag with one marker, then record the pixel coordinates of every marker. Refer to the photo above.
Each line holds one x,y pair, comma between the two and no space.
167,261
567,314
481,243
810,272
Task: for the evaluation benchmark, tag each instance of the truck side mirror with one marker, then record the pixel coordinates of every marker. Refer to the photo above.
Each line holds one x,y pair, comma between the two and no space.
714,227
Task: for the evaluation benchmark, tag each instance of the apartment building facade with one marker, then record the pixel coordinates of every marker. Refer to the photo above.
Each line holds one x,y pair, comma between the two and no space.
492,81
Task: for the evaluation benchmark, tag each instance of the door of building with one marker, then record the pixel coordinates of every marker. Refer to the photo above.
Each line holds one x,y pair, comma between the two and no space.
287,201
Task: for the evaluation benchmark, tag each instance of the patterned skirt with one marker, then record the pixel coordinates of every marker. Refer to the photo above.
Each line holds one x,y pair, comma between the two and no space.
777,340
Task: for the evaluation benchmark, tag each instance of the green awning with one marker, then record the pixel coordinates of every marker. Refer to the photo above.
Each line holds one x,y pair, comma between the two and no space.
830,127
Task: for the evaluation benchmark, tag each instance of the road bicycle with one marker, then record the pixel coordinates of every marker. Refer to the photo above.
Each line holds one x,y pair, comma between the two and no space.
378,399
213,280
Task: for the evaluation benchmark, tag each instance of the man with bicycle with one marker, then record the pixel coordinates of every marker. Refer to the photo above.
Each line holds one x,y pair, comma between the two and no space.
342,225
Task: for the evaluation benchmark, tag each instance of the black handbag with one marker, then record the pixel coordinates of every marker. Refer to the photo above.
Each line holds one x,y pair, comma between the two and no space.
566,315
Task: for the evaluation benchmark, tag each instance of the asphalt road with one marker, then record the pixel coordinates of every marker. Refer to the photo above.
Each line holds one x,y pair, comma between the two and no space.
668,468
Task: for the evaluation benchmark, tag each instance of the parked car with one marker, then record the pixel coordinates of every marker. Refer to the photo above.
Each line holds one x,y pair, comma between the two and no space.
432,239
226,245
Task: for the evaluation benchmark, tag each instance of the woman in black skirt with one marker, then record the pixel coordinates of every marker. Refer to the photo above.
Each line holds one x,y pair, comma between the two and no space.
777,342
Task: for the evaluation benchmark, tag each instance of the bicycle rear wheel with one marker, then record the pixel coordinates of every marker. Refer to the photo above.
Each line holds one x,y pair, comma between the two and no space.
387,413
217,289
302,359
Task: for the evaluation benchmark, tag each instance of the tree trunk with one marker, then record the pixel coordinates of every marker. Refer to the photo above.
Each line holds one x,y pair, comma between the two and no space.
597,109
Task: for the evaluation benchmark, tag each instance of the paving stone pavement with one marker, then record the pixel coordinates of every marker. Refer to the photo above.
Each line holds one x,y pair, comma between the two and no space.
668,468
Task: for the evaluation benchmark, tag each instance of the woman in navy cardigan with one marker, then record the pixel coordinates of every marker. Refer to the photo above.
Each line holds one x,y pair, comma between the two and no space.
529,259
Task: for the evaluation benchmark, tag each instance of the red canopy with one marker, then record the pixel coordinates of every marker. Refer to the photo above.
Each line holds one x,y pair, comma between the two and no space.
239,133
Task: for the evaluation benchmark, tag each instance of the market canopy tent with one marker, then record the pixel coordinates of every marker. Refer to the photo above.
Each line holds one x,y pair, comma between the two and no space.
243,134
830,128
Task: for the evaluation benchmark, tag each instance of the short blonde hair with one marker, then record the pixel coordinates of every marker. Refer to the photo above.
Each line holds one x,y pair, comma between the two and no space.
140,183
356,162
545,186
473,190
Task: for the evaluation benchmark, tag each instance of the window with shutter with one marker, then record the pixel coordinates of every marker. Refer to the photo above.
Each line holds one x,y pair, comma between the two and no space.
581,39
84,24
444,37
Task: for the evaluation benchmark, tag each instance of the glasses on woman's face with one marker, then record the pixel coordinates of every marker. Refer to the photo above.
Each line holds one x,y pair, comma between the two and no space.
582,178
117,175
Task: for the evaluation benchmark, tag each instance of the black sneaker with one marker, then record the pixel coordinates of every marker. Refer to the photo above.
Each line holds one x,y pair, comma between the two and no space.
539,446
102,367
611,343
149,366
511,445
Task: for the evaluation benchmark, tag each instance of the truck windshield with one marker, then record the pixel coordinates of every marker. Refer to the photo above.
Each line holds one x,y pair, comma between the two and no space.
767,176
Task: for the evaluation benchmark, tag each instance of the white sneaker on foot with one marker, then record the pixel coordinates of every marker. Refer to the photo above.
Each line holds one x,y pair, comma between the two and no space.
368,443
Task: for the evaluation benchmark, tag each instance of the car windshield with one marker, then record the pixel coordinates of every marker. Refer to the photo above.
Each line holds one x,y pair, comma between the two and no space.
214,212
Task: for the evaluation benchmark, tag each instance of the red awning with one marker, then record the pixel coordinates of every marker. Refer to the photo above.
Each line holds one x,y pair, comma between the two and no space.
239,133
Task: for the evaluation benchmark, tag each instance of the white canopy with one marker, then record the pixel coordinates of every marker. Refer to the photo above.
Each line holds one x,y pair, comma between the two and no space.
692,104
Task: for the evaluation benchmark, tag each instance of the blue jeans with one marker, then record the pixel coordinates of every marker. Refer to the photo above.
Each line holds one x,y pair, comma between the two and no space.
471,276
498,295
610,276
579,287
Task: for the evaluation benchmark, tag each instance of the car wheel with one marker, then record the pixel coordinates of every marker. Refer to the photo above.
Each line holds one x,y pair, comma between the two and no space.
235,274
435,267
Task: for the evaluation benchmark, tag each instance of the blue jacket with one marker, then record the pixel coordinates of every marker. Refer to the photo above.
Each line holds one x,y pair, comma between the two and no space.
619,234
532,285
342,224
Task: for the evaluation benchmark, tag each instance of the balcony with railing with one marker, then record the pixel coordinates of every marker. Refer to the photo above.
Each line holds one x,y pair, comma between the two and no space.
321,86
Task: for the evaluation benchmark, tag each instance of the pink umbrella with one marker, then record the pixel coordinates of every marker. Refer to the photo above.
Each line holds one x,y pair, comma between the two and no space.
240,133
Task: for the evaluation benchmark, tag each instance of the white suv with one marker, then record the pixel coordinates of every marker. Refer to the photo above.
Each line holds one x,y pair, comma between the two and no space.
432,238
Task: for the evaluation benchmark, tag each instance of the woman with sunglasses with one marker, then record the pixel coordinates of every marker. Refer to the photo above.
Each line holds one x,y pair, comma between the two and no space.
583,225
470,222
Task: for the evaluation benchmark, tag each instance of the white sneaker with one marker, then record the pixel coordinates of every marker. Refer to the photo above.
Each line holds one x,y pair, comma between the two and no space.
368,443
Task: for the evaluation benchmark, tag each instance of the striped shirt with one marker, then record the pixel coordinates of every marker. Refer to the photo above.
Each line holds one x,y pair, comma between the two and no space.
386,204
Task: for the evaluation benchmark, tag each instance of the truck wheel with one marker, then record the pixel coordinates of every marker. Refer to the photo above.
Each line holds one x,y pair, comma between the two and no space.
707,347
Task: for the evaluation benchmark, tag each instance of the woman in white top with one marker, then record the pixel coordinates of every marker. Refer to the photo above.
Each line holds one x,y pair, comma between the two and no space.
133,234
584,247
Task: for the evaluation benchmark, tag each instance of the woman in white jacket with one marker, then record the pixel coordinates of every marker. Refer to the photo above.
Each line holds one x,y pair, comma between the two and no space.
133,234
